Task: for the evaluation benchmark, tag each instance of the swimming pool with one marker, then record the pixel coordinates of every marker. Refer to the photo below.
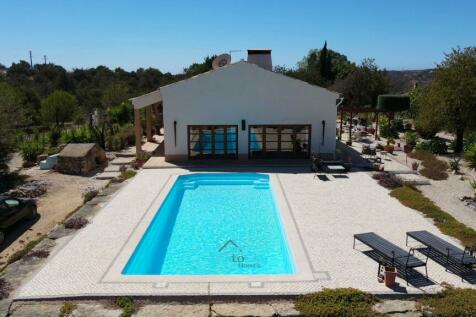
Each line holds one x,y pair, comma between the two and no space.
215,224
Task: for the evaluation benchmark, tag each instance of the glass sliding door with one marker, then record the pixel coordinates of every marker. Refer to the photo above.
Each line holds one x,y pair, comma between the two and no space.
279,141
212,141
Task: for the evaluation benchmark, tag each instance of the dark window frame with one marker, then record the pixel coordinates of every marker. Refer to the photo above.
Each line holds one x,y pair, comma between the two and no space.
212,128
278,150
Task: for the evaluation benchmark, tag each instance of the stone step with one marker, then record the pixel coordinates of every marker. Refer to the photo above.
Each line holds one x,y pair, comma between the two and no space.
122,161
112,168
131,152
108,175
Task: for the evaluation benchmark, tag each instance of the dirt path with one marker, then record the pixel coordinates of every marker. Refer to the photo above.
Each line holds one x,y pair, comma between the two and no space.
62,198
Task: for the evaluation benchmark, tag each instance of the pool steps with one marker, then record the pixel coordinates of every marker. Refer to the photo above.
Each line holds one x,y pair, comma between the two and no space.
258,184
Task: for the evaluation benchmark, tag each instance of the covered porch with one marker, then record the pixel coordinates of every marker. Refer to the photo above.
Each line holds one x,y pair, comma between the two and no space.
148,107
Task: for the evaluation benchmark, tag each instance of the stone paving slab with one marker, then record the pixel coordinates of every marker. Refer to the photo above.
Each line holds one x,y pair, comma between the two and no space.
108,175
122,161
192,310
112,168
327,214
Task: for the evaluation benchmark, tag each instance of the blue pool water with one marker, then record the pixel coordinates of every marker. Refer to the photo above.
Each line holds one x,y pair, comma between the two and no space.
215,224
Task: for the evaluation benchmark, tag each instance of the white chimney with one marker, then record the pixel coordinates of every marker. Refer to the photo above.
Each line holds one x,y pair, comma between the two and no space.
260,57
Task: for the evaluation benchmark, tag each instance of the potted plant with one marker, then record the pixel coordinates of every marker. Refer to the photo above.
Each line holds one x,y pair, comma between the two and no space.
389,276
410,140
415,166
390,146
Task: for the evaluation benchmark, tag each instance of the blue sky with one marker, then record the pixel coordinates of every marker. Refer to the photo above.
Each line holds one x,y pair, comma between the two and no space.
170,35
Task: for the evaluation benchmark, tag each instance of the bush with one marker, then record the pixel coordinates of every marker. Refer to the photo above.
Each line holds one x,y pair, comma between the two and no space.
469,141
387,180
388,131
5,288
67,309
75,223
426,131
54,137
339,302
455,165
470,156
452,302
411,138
30,150
435,146
127,174
78,135
127,306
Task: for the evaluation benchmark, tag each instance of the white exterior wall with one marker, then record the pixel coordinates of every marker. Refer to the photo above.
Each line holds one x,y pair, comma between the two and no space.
245,91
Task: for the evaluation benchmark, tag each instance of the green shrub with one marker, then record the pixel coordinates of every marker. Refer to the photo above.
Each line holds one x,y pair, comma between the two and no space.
127,174
52,150
426,131
388,131
447,224
54,137
470,156
452,302
339,302
469,141
411,138
67,309
77,135
127,306
435,146
30,150
455,165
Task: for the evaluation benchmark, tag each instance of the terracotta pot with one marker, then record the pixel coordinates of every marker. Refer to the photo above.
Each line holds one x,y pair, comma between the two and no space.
388,148
389,276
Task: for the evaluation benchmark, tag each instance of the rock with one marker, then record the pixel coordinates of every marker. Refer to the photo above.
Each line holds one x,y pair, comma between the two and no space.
284,308
184,310
397,308
35,309
31,189
95,310
58,232
242,309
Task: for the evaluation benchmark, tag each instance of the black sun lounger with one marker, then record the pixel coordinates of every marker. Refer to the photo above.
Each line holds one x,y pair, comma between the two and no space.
395,255
443,248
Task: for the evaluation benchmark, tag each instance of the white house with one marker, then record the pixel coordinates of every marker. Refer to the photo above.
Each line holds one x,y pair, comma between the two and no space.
244,110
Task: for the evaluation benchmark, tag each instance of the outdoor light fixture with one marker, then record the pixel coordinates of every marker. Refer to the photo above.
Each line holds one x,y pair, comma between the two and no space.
175,132
243,125
323,131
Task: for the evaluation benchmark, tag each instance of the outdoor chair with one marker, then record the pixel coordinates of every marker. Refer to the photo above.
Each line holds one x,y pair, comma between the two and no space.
437,249
391,254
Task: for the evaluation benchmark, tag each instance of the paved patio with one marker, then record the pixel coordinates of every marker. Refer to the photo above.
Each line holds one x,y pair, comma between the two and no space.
326,214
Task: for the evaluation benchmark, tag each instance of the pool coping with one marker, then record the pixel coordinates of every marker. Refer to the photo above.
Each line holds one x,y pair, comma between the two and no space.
302,263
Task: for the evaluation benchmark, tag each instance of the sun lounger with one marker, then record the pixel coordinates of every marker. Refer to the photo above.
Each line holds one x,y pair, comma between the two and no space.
393,254
442,248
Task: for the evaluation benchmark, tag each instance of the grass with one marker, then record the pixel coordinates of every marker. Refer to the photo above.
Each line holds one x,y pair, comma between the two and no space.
452,302
67,309
433,168
21,253
127,174
338,302
127,306
447,224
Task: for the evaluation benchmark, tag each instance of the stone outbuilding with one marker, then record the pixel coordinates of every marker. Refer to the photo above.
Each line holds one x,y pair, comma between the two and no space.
80,158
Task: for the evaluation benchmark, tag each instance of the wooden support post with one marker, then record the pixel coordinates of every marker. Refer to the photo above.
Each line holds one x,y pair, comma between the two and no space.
138,131
341,119
148,121
376,128
158,117
349,142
